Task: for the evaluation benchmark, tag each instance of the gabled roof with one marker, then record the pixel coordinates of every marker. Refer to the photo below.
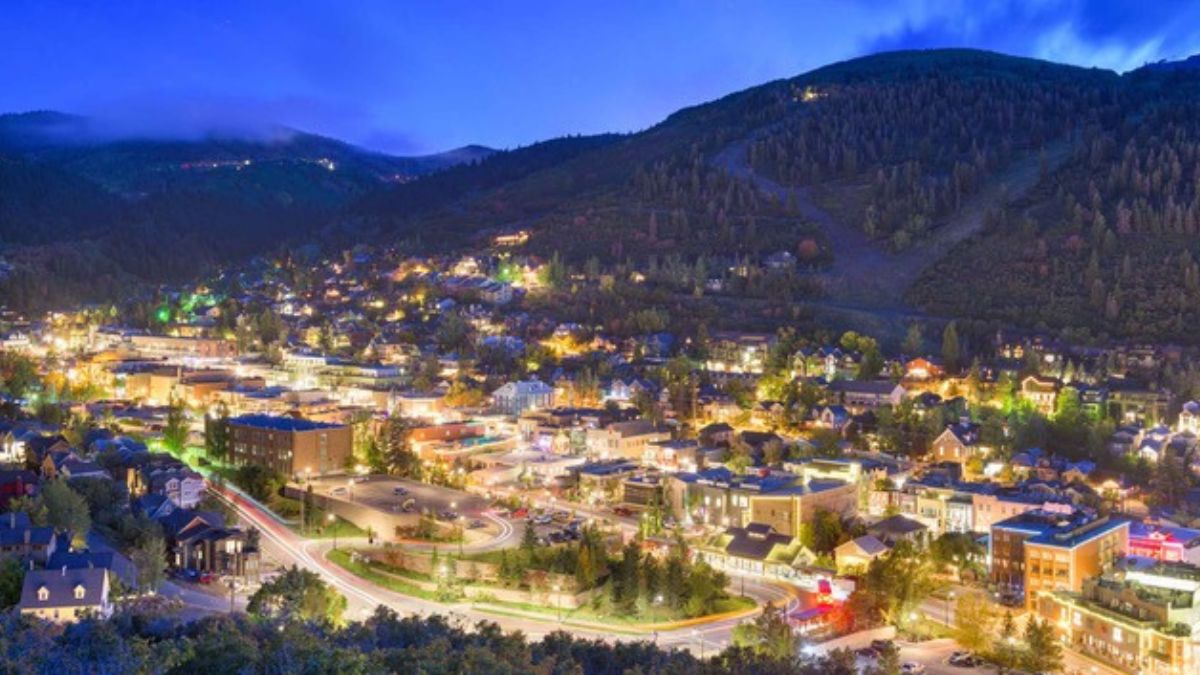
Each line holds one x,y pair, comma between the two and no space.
61,585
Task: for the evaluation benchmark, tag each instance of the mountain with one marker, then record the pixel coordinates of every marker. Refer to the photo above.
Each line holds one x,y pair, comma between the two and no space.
131,206
907,186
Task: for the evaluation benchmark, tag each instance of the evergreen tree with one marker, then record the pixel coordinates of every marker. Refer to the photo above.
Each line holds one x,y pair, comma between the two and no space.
950,349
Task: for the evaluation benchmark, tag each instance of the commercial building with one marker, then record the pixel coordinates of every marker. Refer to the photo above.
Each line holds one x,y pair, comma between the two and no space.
1139,618
289,445
1048,551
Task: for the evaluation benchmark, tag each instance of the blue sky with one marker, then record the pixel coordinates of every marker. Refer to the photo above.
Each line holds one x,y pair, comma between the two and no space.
411,77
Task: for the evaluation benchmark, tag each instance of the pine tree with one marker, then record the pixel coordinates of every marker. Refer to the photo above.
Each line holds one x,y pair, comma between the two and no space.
950,348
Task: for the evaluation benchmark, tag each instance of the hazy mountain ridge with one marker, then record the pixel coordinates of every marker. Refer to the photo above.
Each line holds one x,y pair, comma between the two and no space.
900,146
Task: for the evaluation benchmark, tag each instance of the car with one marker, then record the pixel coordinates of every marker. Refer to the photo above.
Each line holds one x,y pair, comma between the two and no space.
560,516
207,578
340,490
476,524
880,645
360,479
962,659
542,519
448,515
520,514
622,511
399,491
912,668
866,652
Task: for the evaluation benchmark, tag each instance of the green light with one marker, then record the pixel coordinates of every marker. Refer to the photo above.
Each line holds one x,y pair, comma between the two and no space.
163,314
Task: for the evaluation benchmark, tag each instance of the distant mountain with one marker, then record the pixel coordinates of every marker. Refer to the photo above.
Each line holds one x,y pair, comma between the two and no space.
66,181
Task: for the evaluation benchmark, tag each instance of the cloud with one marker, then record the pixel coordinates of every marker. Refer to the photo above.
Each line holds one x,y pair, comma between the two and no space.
1114,34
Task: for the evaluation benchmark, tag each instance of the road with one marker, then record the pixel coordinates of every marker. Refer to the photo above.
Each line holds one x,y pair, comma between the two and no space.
362,597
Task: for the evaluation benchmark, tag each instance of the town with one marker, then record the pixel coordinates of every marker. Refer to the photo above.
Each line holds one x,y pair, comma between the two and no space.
446,435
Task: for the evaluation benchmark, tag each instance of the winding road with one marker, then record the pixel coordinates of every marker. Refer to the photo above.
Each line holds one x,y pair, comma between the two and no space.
363,597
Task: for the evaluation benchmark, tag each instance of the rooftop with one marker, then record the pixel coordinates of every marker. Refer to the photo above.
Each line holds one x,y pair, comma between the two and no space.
281,423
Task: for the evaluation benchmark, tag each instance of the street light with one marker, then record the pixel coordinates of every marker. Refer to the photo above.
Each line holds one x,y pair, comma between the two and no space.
330,519
949,597
699,638
558,601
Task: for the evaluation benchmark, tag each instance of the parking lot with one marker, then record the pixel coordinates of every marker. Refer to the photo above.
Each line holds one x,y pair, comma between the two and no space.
395,495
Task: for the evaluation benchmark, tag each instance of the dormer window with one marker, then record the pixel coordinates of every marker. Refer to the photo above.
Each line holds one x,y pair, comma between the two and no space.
80,591
43,593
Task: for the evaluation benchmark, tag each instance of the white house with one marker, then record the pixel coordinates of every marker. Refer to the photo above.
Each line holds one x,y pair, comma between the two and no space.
515,398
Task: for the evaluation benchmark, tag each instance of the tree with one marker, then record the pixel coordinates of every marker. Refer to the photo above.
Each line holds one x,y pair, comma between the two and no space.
1043,654
769,634
893,587
675,582
950,349
624,579
529,539
12,577
974,621
914,339
955,549
149,557
298,595
1004,649
66,510
175,431
216,433
258,481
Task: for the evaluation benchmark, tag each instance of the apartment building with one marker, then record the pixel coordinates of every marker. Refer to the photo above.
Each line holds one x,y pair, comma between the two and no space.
290,445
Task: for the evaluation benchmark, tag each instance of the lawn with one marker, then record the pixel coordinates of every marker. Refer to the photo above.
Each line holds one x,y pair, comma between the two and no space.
341,558
604,614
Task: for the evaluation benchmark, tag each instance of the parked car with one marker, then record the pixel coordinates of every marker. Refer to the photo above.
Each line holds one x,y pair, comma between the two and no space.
962,659
880,645
622,511
338,491
542,519
207,578
476,524
912,668
399,491
520,514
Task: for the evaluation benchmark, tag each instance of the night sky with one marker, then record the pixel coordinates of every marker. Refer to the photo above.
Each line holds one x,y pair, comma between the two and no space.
411,77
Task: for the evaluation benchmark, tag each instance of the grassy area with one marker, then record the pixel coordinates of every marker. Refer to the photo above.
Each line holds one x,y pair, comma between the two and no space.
341,558
604,614
320,527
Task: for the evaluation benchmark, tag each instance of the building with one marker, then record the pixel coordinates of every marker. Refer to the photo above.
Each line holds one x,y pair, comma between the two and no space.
958,443
180,485
1046,550
861,395
1138,618
857,554
1164,544
167,345
625,440
782,501
23,540
515,398
1042,392
731,352
290,445
64,595
755,550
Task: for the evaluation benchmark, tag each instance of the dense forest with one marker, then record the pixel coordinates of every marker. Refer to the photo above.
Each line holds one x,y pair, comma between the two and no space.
154,641
902,147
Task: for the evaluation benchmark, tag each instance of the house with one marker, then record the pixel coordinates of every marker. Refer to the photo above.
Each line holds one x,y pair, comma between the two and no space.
861,395
857,554
717,433
1189,418
1042,392
958,443
64,595
181,486
21,539
625,440
834,417
767,414
732,352
199,540
515,398
755,549
895,529
921,369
